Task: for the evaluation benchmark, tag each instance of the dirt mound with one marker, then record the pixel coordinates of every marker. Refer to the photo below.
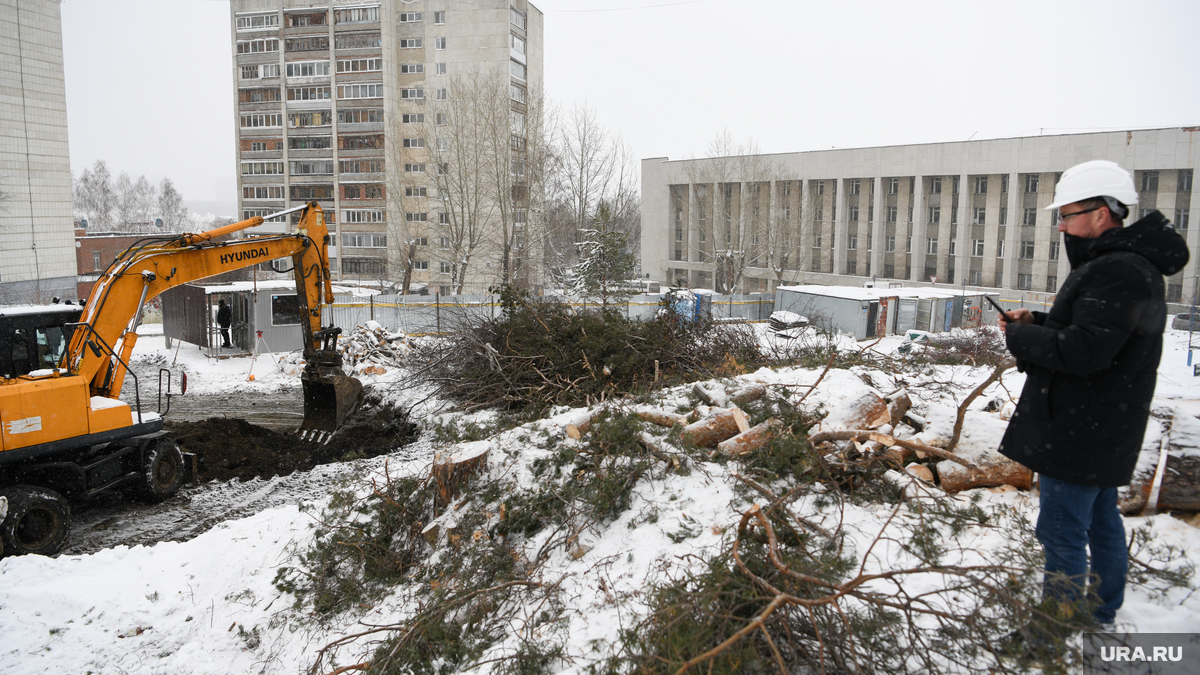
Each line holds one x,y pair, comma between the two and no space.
234,448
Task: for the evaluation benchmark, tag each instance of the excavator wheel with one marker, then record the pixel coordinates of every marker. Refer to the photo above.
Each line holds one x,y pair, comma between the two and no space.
38,520
162,472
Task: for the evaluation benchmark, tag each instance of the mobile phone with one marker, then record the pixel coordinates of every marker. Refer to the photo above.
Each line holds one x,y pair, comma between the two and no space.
995,304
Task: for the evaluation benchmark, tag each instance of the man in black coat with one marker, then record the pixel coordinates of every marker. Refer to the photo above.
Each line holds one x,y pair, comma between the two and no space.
224,319
1091,364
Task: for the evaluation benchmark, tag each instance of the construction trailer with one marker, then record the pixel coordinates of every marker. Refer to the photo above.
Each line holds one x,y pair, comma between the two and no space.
868,313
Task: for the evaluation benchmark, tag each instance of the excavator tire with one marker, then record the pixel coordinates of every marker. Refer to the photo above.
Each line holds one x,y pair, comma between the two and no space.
162,472
38,521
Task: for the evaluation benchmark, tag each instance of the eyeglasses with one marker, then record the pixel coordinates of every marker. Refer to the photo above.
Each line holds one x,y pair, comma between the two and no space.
1062,218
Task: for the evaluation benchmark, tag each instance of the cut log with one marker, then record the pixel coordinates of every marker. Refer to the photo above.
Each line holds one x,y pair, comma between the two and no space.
711,430
751,439
1180,488
866,411
578,425
992,469
702,394
898,405
660,417
748,393
452,471
920,471
715,397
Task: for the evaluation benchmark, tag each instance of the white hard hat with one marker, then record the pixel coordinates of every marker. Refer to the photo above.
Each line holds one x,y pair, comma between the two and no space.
1097,178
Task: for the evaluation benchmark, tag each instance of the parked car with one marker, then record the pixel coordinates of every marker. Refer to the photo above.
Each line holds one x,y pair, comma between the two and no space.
1185,322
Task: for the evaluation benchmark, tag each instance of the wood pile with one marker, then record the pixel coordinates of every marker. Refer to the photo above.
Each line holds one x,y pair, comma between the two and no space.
371,349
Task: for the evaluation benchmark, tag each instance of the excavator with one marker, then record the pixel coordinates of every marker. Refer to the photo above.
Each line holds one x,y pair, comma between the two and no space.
65,432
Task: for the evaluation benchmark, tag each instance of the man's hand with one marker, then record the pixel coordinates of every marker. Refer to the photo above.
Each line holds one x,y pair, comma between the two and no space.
1020,315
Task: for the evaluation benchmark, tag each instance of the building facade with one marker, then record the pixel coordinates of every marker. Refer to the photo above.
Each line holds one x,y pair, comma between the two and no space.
969,212
37,244
348,104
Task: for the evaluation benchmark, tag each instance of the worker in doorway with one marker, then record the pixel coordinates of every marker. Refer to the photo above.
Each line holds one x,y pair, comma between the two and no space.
224,318
1091,363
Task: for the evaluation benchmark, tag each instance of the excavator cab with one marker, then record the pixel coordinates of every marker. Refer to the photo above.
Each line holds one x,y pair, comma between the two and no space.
34,338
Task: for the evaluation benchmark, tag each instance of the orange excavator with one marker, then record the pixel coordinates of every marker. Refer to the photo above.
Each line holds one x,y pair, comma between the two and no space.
64,432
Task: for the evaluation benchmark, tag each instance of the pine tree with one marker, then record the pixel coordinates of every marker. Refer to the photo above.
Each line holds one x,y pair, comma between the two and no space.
605,261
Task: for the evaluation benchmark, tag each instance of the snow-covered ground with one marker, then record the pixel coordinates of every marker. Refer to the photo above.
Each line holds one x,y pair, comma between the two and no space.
208,605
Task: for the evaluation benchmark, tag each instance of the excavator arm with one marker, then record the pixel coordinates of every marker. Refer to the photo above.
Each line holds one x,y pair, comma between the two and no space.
104,340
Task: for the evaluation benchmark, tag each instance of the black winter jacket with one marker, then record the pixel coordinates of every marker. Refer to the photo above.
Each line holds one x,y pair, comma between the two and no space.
224,316
1091,362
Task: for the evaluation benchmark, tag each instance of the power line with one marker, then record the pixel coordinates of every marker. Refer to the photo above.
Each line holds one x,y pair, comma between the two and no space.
624,9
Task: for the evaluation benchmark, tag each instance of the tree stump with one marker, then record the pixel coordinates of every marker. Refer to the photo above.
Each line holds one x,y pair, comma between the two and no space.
751,439
579,424
452,471
711,430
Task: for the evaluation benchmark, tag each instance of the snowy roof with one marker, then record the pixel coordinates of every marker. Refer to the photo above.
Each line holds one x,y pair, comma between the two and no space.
273,284
39,309
859,293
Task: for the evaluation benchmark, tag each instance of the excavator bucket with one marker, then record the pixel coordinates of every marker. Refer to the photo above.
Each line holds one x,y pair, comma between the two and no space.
329,398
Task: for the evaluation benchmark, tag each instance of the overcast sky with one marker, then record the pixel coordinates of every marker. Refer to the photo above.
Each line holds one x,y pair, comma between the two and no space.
150,89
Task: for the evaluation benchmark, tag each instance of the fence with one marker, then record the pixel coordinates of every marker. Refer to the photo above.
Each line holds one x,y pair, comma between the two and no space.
434,314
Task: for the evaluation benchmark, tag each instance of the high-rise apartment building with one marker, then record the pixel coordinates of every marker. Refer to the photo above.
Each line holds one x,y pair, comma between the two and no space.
350,104
970,212
37,236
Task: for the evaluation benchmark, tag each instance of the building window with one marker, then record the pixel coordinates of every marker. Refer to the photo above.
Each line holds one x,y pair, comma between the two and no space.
893,186
1054,250
890,244
309,193
308,69
439,43
1051,284
414,142
312,167
360,142
364,240
357,41
977,248
908,245
412,118
412,93
352,91
444,267
258,147
262,168
439,69
852,243
517,93
411,43
441,94
356,15
1181,219
1030,217
820,187
308,93
1031,184
1000,249
1025,282
854,186
439,119
854,214
307,43
891,214
516,44
517,18
953,216
816,240
1003,215
980,216
411,217
410,17
1185,181
952,247
360,116
975,278
420,264
444,219
1149,181
981,185
270,95
361,66
416,192
364,216
931,245
257,22
264,120
259,46
439,18
316,118
352,166
871,213
309,142
1026,250
97,266
516,69
935,214
414,168
935,185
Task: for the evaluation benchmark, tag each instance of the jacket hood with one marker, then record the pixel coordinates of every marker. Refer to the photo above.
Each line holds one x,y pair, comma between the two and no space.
1151,237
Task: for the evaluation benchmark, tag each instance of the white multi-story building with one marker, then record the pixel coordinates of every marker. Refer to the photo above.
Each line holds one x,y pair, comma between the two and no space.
343,103
37,235
969,211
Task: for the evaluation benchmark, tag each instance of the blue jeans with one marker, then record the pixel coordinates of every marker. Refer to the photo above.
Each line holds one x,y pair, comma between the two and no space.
1074,518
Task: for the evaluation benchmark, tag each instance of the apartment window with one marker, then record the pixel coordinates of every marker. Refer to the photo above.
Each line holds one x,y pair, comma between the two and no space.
1000,248
356,15
357,40
1185,180
270,95
439,69
416,192
852,243
1181,219
517,18
364,240
374,142
977,248
1003,191
517,93
97,266
1149,181
516,69
257,22
311,167
262,192
1026,250
412,118
889,244
368,90
1003,215
308,69
410,43
361,66
975,278
414,142
1025,282
816,239
910,214
980,216
820,187
956,179
439,43
1051,284
908,245
935,185
443,168
854,214
893,186
952,247
444,267
439,18
262,168
1054,250
307,43
316,118
981,185
1030,217
818,213
351,192
1031,183
249,72
412,93
931,245
439,119
443,144
309,143
935,214
258,147
414,168
854,186
412,217
871,213
444,243
352,166
263,120
410,17
363,216
420,264
953,216
360,116
308,193
308,93
258,46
